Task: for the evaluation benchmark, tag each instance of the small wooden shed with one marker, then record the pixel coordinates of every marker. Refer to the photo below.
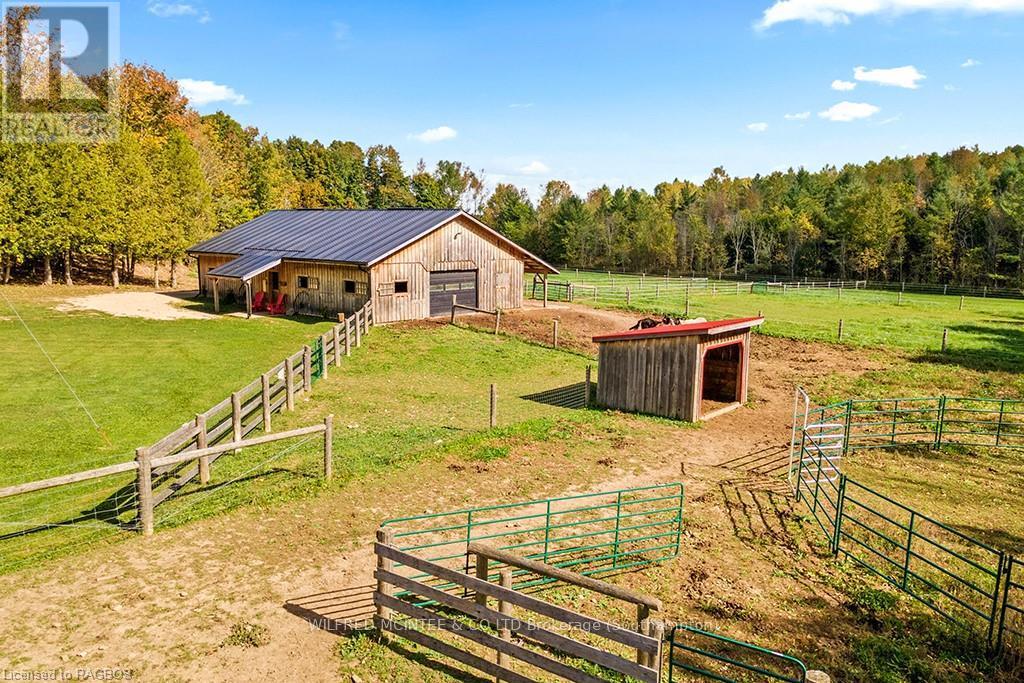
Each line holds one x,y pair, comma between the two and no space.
690,372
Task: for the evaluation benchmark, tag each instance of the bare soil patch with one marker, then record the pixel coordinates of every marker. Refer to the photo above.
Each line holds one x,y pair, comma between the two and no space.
150,305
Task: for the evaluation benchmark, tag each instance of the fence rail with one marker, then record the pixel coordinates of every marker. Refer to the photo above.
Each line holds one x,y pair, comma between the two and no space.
540,626
964,580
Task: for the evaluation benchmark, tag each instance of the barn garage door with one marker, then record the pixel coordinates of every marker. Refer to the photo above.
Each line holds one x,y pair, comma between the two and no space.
460,283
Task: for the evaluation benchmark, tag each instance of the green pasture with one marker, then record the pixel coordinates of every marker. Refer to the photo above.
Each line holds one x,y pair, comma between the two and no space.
987,334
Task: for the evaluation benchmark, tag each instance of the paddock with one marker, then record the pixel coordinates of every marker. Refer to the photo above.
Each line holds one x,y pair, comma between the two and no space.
689,372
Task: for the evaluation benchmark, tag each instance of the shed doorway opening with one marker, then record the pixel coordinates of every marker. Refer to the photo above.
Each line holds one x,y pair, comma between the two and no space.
721,381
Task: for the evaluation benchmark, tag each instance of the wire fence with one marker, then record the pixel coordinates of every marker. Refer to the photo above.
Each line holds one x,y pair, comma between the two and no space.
965,580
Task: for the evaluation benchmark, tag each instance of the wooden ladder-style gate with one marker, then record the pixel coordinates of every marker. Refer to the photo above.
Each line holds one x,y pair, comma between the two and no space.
415,595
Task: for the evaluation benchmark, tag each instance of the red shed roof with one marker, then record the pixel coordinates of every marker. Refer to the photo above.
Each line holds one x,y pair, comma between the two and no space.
707,328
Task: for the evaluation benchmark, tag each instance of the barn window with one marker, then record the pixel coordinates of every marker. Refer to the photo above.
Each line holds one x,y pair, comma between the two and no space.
402,287
307,282
350,286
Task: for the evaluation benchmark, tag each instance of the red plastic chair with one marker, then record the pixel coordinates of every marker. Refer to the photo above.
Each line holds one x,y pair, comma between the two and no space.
278,306
259,302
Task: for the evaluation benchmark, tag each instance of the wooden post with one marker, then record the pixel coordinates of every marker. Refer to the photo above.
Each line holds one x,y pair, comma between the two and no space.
657,291
328,446
545,290
554,333
627,296
658,633
359,331
265,398
216,296
236,417
494,405
307,368
201,442
337,346
586,390
289,384
497,320
643,616
248,299
839,292
482,572
348,337
899,298
686,312
961,302
840,330
505,580
945,338
455,298
366,320
144,490
385,536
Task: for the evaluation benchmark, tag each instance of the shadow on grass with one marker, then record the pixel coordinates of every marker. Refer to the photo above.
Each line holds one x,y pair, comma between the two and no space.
569,396
1005,352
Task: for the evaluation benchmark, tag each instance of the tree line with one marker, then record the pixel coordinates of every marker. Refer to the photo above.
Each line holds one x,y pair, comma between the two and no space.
174,177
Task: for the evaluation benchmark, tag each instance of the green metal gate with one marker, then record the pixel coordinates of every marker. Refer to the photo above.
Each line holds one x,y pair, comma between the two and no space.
317,359
695,653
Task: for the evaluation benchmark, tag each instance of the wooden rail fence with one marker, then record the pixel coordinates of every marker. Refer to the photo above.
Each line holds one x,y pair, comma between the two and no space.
440,590
169,464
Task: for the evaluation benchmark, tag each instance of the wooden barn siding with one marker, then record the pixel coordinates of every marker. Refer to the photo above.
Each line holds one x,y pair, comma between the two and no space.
655,376
723,339
329,298
206,262
457,245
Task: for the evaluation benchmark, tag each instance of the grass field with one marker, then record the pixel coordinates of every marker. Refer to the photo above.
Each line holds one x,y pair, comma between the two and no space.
987,334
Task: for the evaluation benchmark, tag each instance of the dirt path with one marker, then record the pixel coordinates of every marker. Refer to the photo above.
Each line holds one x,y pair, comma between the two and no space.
163,606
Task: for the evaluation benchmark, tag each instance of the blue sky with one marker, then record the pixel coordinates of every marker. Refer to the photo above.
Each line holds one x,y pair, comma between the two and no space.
604,91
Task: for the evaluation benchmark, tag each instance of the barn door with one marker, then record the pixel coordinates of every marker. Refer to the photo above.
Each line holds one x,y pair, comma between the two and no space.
445,284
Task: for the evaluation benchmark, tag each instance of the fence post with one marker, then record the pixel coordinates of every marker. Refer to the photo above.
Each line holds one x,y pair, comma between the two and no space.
307,368
385,536
899,298
348,336
366,318
236,417
586,392
482,573
999,425
144,490
554,333
201,442
940,423
289,384
643,621
359,331
265,398
337,346
618,520
627,296
497,320
505,633
961,302
454,304
840,505
328,446
906,559
494,405
945,338
840,337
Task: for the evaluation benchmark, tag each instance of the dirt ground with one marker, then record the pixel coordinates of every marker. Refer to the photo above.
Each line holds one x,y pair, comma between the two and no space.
153,305
163,606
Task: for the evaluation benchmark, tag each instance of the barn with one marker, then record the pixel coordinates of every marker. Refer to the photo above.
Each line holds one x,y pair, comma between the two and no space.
409,262
690,372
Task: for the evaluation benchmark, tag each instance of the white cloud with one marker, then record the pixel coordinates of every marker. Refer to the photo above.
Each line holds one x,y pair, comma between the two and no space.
968,63
900,77
843,85
758,127
833,12
891,119
799,116
340,31
201,93
434,134
849,111
534,168
170,10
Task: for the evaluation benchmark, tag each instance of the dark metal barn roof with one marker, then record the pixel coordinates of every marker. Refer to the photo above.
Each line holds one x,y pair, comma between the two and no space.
357,236
247,266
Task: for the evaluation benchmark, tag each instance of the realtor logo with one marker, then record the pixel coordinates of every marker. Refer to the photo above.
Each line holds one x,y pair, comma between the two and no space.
59,72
